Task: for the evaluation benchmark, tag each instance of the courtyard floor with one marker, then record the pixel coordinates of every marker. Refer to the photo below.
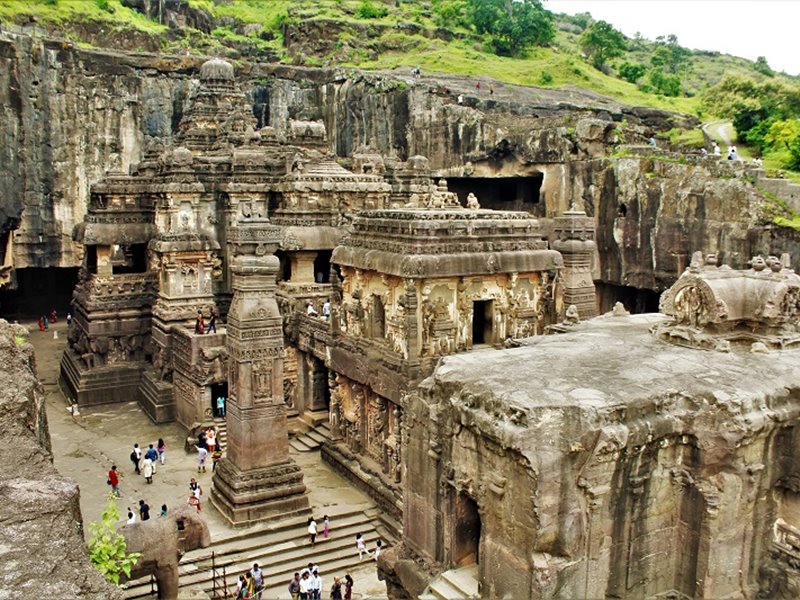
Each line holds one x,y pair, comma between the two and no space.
86,445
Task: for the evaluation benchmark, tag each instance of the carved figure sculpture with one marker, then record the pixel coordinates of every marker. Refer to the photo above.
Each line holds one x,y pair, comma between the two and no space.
162,542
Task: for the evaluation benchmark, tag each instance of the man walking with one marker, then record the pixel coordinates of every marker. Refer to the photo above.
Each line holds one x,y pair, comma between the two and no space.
152,454
113,480
136,456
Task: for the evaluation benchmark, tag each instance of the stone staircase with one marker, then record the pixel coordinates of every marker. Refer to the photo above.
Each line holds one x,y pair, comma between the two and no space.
222,432
280,549
454,585
311,439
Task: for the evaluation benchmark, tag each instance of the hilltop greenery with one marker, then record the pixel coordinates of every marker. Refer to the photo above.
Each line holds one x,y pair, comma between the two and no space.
516,42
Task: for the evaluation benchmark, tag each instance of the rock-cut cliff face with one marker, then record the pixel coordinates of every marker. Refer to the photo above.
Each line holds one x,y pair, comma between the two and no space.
69,115
42,552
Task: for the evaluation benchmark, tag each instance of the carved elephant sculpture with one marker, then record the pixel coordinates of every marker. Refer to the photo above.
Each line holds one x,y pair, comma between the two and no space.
162,542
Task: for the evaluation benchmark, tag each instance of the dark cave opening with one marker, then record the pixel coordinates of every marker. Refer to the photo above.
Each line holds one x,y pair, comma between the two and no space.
502,193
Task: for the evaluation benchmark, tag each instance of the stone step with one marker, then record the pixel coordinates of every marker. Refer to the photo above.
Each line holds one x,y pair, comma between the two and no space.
300,445
316,436
464,579
280,552
455,583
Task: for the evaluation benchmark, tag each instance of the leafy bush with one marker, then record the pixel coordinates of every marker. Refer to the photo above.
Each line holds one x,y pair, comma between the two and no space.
368,10
512,27
546,78
668,85
107,548
632,72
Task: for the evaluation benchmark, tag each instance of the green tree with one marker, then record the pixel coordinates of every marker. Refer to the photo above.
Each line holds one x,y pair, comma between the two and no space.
664,83
632,72
670,56
513,26
107,548
601,42
762,66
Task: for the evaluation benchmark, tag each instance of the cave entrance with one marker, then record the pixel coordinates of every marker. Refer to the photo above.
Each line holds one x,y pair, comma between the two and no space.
39,291
219,390
502,193
322,266
636,300
467,531
482,318
128,259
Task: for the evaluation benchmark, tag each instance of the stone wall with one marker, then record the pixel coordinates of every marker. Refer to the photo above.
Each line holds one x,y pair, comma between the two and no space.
43,551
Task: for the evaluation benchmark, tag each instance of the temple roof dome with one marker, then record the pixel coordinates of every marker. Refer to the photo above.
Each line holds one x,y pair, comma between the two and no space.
216,69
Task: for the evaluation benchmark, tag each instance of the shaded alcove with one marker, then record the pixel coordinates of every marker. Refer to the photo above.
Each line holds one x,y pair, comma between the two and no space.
466,531
502,193
39,291
636,300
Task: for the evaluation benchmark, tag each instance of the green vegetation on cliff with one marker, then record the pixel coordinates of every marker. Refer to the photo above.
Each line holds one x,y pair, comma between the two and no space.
519,42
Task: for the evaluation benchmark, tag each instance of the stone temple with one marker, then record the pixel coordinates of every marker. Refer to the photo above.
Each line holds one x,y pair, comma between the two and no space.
622,456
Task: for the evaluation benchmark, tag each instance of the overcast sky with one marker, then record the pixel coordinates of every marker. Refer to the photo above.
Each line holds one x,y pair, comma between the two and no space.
748,28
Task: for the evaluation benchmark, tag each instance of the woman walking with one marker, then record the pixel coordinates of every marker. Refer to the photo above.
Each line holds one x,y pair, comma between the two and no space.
162,451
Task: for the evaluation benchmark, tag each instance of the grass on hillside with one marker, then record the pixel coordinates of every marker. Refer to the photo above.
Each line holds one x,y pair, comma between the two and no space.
110,12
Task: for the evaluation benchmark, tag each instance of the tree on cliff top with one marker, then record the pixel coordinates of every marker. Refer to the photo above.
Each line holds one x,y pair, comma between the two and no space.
513,26
600,42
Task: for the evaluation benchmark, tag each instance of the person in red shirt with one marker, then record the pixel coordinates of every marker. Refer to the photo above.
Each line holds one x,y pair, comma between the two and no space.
113,480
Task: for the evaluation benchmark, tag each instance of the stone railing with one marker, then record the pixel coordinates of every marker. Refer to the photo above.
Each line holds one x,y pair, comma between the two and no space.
119,291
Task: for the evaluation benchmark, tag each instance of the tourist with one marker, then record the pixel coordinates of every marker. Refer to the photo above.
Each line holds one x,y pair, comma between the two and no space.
326,310
113,480
131,517
136,456
310,310
194,501
162,450
460,100
312,530
41,323
258,579
221,406
734,153
152,454
378,548
46,323
703,152
212,322
199,325
53,316
336,590
715,149
241,588
211,439
348,587
250,585
652,141
294,587
147,468
316,584
757,162
304,586
69,319
201,439
362,547
216,456
164,511
201,460
194,488
326,526
478,88
144,510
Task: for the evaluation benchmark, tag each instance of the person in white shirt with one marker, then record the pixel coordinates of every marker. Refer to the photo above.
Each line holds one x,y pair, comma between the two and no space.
131,517
312,531
362,546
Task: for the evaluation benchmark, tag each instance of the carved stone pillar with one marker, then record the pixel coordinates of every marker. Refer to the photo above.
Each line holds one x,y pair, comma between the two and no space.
257,479
573,237
303,267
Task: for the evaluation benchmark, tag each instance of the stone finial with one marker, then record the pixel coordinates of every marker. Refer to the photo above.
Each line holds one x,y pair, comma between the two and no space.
774,263
697,261
472,202
712,260
571,317
619,310
216,69
442,185
757,263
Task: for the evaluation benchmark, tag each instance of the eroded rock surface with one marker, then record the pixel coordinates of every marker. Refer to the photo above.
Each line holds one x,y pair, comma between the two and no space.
42,551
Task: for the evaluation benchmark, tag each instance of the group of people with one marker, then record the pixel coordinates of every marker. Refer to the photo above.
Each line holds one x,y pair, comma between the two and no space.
361,544
200,323
145,464
326,310
306,584
144,512
207,445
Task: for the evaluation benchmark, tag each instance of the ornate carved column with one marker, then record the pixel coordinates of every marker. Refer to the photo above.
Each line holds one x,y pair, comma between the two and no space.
573,237
257,479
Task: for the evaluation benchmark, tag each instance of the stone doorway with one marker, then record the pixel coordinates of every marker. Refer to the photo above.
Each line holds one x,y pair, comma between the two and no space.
217,390
482,313
466,531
